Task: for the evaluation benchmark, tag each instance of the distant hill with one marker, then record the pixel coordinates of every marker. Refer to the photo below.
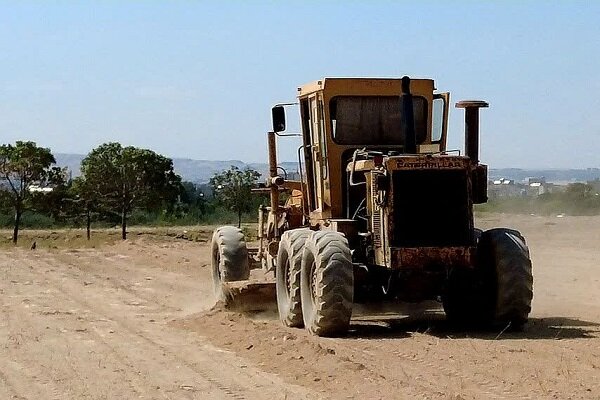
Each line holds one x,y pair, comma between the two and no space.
200,171
197,171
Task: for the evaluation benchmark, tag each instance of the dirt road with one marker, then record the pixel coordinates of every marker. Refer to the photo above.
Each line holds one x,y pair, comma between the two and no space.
89,324
132,320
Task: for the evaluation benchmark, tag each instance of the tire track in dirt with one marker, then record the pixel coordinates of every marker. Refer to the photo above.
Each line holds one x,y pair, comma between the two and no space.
420,371
137,382
24,384
116,282
231,389
47,372
449,362
23,362
426,374
8,386
121,363
480,386
58,285
500,369
178,297
134,334
10,389
333,363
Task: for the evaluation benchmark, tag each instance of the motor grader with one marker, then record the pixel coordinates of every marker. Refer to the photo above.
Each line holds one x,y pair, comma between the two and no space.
382,212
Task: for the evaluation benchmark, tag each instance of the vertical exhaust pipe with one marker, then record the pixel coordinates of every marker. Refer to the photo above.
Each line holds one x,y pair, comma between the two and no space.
408,126
472,126
274,189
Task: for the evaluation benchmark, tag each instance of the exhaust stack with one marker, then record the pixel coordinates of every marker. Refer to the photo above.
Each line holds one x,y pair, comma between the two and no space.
472,126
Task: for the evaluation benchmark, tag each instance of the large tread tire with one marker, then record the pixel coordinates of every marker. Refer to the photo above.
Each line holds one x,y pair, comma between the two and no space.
327,284
287,274
464,300
500,289
229,259
506,256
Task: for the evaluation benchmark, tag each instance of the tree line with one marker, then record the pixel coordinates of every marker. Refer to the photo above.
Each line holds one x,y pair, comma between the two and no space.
116,182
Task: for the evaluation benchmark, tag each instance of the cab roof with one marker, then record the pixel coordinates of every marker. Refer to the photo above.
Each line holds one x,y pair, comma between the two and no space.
338,84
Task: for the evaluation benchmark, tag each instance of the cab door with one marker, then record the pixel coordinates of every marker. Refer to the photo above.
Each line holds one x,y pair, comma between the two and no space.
317,149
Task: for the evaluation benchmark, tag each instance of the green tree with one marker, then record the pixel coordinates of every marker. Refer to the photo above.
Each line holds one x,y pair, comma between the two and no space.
81,201
123,179
233,187
23,166
192,199
52,203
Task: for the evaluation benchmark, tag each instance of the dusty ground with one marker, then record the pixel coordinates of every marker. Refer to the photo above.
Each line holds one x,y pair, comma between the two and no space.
132,320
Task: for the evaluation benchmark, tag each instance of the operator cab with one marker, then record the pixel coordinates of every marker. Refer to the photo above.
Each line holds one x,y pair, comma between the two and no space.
342,115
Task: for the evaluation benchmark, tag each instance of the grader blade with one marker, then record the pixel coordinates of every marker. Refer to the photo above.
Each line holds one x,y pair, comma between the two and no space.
250,296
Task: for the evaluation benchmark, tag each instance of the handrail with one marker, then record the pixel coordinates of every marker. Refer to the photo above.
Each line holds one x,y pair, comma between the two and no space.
351,181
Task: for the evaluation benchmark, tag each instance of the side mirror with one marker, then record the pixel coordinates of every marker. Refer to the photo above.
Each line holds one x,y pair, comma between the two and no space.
278,114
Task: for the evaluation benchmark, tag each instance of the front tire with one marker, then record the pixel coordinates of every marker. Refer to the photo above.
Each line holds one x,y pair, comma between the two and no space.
327,284
287,274
229,259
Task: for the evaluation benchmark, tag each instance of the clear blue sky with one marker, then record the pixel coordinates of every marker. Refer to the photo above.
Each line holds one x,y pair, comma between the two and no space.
197,79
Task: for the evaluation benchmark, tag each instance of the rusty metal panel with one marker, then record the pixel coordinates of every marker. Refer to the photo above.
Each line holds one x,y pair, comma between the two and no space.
421,257
428,162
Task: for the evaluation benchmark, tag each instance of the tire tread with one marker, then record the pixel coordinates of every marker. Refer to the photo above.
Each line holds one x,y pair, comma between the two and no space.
335,284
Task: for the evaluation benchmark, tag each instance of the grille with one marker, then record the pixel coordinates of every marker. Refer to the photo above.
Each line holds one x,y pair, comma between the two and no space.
377,228
430,208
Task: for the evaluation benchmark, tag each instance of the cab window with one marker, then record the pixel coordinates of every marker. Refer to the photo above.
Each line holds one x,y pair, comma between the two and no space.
368,120
437,124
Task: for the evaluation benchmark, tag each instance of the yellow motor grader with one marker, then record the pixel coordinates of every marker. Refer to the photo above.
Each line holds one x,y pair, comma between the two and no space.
382,212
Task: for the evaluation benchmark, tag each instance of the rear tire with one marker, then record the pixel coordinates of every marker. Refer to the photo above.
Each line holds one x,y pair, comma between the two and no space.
229,259
327,284
287,274
464,300
500,289
505,256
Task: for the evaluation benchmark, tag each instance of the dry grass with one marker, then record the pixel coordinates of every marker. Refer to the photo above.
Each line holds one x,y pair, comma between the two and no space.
76,238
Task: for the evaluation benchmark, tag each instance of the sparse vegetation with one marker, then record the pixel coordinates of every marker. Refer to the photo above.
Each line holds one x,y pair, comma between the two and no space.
577,199
123,179
232,189
23,166
67,238
119,186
